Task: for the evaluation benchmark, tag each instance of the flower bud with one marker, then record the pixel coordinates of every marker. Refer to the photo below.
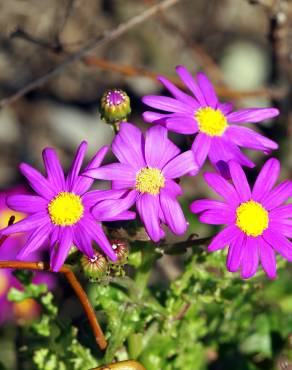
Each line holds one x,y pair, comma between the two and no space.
94,268
121,249
115,106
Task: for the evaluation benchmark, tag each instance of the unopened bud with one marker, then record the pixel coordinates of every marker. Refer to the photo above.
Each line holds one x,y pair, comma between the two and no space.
96,267
121,250
115,106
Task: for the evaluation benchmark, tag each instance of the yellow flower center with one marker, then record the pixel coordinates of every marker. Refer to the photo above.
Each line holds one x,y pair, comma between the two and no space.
150,180
65,209
211,121
252,218
5,217
4,282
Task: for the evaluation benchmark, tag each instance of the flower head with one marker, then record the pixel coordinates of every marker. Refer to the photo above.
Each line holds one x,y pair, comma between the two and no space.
145,175
219,131
115,106
258,224
60,215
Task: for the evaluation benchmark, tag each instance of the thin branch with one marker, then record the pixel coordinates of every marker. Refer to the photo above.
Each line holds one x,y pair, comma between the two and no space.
80,293
221,90
103,39
182,312
122,365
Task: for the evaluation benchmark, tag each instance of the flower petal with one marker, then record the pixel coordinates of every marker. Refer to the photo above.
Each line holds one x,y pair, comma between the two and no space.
83,183
167,104
180,165
278,195
76,165
223,238
113,171
128,146
250,258
222,187
29,223
201,147
27,203
207,204
173,188
252,115
181,123
240,181
266,179
54,169
244,136
222,216
282,245
177,93
148,209
173,213
82,240
207,89
107,210
155,145
35,241
284,211
90,198
225,107
190,83
150,116
235,252
37,181
268,259
61,250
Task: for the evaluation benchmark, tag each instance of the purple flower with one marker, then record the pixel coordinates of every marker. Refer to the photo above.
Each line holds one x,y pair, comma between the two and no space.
145,175
60,214
257,222
219,130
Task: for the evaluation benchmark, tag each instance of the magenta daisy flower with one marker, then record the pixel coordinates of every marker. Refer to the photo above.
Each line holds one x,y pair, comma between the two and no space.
60,214
145,175
219,130
258,224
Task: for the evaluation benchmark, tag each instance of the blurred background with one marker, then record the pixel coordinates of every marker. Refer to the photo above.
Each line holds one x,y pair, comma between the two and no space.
245,47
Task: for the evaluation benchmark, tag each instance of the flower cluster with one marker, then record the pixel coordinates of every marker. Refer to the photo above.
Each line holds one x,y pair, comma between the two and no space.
65,212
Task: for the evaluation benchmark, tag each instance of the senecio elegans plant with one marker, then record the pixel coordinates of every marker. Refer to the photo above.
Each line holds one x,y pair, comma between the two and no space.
65,215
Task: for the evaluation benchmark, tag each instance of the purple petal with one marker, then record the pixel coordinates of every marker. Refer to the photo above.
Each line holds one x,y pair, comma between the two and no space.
201,147
76,165
54,169
266,179
108,209
278,195
173,213
240,181
61,250
244,136
173,188
222,187
252,115
250,258
83,183
180,165
283,227
177,93
166,104
282,245
235,252
284,211
35,241
128,146
225,107
206,204
29,223
82,241
94,229
155,145
223,238
27,203
92,197
37,181
150,116
223,216
268,259
148,209
207,89
114,171
190,83
181,123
